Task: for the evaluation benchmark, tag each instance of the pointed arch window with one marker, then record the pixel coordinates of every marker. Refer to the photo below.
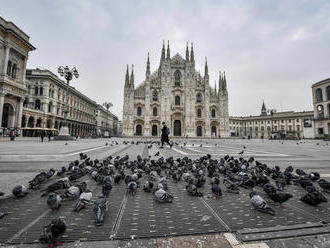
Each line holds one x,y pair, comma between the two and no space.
139,111
199,97
154,111
177,100
213,113
199,113
155,95
177,78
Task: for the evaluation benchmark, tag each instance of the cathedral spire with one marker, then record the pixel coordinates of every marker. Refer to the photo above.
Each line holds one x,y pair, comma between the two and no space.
131,82
168,55
215,87
206,69
187,53
127,78
263,109
148,67
220,83
224,81
163,52
192,59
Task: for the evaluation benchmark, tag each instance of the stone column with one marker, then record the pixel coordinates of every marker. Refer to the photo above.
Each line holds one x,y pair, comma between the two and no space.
19,113
2,100
5,62
24,69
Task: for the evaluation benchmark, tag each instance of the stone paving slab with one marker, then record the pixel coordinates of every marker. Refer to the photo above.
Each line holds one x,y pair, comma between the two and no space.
186,212
144,217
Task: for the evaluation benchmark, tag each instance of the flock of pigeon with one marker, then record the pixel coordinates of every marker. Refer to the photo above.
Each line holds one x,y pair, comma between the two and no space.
227,174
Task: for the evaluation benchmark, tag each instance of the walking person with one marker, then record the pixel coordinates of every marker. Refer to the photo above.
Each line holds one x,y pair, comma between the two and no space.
49,135
42,136
164,136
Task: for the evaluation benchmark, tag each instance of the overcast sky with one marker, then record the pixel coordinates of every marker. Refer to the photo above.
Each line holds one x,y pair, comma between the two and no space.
270,50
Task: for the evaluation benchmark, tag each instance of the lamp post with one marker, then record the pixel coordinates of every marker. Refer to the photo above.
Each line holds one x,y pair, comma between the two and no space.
68,75
271,112
108,105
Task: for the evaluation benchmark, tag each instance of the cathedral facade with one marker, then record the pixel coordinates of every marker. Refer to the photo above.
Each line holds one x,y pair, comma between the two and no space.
177,94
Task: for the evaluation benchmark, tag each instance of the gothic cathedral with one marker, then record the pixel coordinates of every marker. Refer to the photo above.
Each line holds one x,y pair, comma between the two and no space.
179,96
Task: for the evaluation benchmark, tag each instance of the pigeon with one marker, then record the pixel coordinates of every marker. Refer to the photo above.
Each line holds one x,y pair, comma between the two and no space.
50,173
269,188
107,186
74,191
84,199
280,184
132,187
2,214
157,154
314,198
52,231
241,152
19,191
216,189
325,185
54,201
162,196
192,190
280,197
147,187
230,186
60,184
117,178
99,210
259,203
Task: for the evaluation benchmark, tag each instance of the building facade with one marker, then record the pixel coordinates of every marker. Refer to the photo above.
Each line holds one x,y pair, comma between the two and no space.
45,102
321,104
177,94
274,124
106,122
14,50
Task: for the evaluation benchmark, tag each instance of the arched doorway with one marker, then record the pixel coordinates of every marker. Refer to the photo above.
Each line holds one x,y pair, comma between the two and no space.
49,123
213,131
177,128
138,130
7,115
154,131
199,131
31,122
23,124
39,122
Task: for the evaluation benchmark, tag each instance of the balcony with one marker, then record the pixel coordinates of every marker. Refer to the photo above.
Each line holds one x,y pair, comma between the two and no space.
177,107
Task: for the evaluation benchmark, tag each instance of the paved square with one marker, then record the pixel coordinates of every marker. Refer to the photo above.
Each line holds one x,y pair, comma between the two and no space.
139,216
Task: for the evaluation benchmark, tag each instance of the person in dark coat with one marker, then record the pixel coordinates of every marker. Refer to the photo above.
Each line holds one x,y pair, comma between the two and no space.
42,136
164,136
49,135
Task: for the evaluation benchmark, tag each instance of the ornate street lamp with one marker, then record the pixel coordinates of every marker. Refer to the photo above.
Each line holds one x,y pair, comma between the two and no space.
108,105
68,75
271,112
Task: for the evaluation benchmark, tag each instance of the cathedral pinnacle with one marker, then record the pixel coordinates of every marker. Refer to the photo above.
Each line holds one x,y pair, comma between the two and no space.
148,67
127,78
168,55
187,53
132,77
163,52
192,59
224,82
206,70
